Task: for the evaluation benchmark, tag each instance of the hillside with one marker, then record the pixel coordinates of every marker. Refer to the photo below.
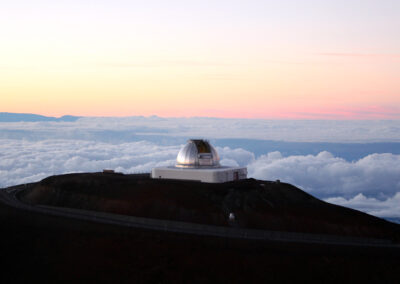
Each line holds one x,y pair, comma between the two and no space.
255,203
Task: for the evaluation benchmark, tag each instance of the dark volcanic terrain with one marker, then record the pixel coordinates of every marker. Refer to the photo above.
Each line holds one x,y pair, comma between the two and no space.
55,249
256,204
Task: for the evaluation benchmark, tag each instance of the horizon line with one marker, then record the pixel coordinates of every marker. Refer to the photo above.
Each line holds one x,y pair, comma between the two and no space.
313,117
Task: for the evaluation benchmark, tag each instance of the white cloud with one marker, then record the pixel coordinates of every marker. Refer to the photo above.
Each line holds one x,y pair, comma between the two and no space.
371,184
112,128
22,161
240,156
25,161
381,208
229,163
324,175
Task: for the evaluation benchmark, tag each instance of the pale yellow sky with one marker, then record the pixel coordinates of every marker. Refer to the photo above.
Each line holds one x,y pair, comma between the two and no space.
231,59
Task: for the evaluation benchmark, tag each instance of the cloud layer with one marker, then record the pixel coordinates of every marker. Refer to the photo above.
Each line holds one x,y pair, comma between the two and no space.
22,161
371,184
381,208
121,129
31,151
325,175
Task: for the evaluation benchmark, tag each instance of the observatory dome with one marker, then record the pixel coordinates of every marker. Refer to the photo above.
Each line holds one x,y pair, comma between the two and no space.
197,154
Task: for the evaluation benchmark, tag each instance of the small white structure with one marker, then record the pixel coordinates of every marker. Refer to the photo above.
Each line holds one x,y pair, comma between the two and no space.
199,161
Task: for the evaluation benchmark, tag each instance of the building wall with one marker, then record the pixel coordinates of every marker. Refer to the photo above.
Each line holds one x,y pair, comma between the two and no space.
203,175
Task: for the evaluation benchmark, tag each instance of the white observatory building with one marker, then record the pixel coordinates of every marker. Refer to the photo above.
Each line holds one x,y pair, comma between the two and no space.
199,161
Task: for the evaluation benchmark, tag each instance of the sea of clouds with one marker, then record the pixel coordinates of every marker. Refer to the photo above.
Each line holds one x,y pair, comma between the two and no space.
31,151
121,129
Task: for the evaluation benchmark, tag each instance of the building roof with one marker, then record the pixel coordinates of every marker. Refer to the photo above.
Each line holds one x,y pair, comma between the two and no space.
197,154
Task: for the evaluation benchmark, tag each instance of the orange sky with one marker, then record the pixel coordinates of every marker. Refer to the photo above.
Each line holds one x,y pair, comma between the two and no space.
253,60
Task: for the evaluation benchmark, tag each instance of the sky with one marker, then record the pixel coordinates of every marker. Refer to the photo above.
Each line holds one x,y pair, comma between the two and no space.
243,59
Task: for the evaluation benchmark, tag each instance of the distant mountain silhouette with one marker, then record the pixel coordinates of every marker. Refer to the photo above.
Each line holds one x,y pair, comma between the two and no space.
29,117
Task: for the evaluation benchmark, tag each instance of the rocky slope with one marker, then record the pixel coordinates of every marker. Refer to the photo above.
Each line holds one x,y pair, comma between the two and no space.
255,203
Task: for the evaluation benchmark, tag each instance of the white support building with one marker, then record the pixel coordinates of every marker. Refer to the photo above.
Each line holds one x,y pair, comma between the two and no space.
199,161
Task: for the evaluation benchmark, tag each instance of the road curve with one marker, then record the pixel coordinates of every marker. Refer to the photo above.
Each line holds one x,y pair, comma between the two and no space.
8,196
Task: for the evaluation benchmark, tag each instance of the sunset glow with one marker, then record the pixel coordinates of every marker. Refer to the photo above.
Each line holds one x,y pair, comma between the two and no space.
245,59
